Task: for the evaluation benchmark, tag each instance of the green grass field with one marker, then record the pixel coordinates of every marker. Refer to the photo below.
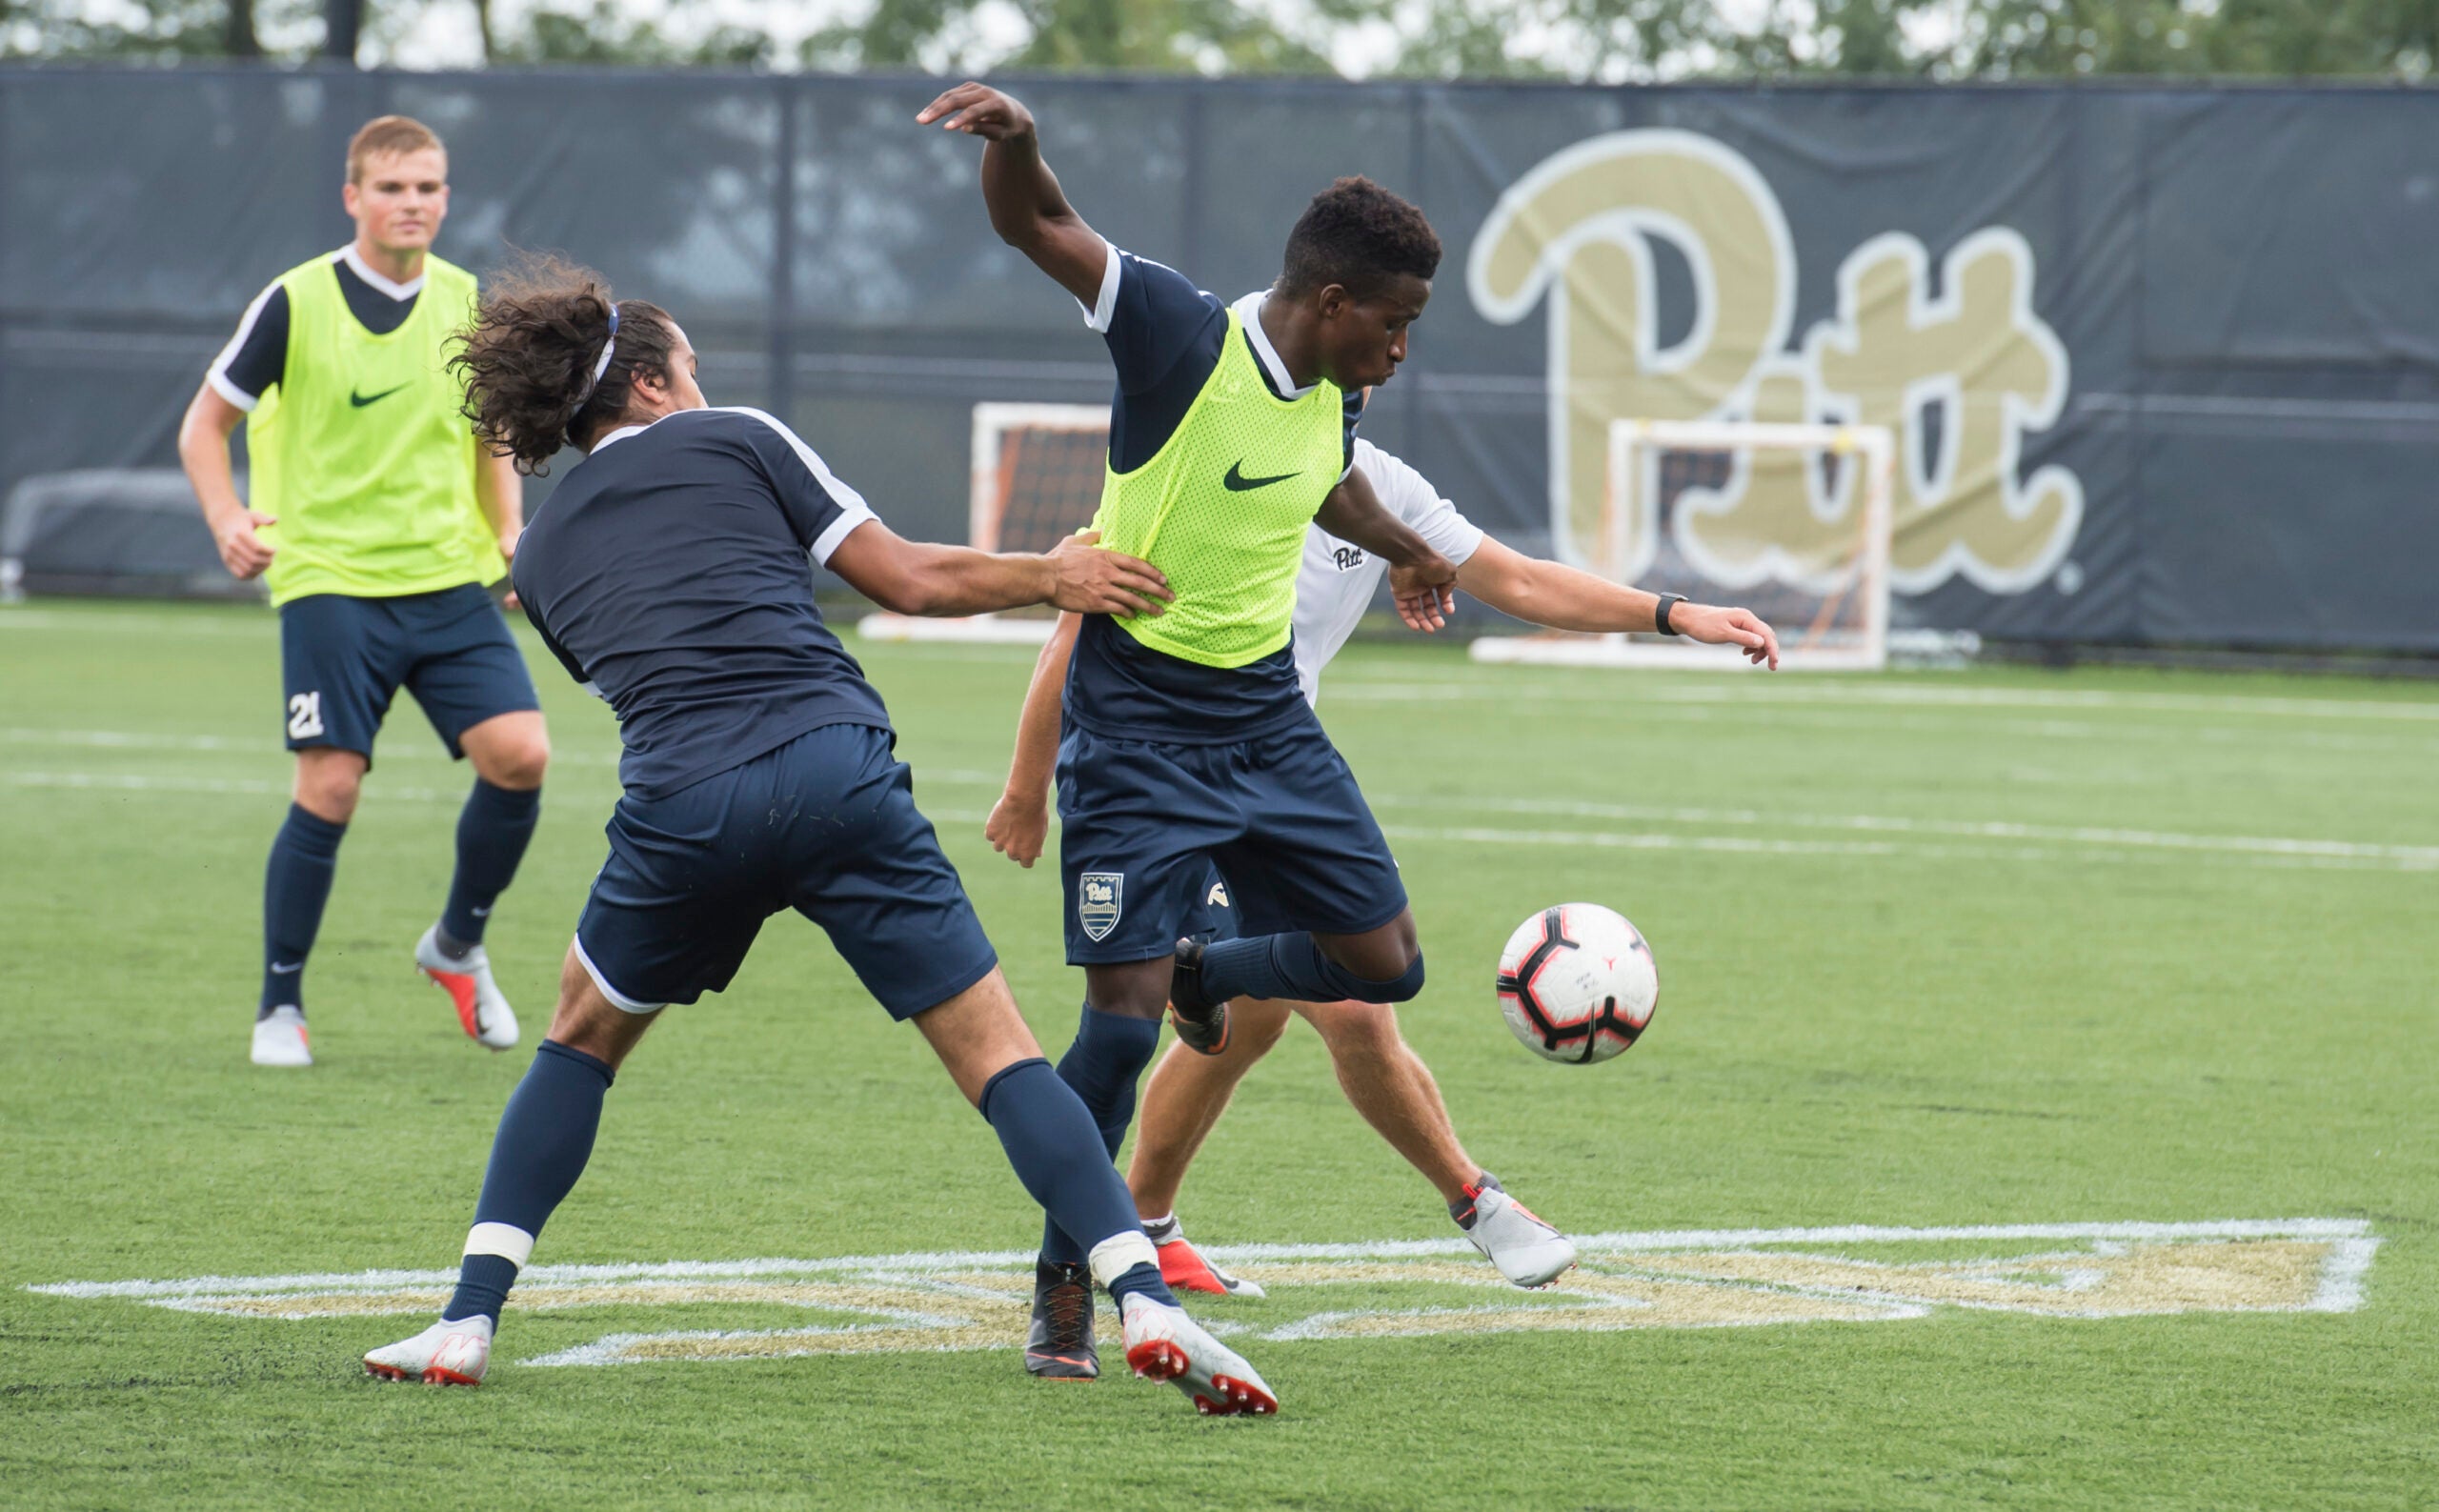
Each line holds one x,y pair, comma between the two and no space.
1938,951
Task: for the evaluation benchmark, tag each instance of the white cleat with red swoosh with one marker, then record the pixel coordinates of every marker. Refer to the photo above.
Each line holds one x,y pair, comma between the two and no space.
482,1009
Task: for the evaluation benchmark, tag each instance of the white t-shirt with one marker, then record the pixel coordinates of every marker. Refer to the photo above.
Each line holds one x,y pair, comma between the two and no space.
1336,584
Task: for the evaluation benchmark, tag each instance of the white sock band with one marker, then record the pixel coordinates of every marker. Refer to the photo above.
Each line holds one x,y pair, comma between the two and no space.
1120,1253
506,1240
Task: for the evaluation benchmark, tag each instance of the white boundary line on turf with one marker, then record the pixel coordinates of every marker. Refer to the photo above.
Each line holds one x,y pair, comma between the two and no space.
2343,1274
408,751
2015,842
2341,1291
2321,854
1896,695
1963,829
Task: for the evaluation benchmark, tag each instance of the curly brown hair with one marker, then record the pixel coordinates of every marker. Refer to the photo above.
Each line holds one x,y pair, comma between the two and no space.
528,358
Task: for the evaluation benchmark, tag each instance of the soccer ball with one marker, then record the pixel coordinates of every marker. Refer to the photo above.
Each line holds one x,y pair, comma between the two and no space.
1577,983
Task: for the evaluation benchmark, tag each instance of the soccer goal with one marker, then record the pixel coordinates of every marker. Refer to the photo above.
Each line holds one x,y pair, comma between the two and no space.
1790,521
1037,471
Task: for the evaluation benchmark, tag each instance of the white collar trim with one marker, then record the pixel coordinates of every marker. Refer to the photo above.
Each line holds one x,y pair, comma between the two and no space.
363,270
625,431
1249,311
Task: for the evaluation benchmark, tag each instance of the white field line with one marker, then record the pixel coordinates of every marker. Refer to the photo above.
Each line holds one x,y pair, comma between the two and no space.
2391,740
2341,1288
266,626
2356,1253
954,777
2125,849
2417,856
1776,691
269,746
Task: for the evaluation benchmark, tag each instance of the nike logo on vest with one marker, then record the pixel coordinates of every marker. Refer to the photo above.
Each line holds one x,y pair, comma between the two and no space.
362,400
1236,482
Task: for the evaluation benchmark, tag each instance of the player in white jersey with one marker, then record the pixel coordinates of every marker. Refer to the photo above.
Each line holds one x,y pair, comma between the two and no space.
1380,1073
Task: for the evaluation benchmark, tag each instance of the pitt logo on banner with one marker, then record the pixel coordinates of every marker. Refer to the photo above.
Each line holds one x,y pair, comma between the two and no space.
1575,231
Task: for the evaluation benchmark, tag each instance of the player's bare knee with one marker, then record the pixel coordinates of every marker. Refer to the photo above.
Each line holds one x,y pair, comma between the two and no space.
329,782
512,751
521,768
1388,955
1255,1026
1365,1030
1137,989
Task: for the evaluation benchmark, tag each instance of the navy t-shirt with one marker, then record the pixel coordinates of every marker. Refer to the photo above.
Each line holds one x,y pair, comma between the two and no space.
1165,336
672,571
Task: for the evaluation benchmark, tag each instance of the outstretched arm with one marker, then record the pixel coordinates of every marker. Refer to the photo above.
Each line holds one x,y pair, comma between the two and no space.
1028,208
1562,598
1021,821
920,578
1419,575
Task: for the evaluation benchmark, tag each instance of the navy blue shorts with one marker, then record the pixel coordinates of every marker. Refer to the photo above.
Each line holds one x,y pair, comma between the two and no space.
343,659
1143,825
1214,913
826,825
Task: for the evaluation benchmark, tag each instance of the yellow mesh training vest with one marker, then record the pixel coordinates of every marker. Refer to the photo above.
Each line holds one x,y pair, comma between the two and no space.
361,450
1223,509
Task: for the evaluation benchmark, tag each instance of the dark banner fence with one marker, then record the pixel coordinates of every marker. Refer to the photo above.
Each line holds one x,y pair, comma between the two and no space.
2162,361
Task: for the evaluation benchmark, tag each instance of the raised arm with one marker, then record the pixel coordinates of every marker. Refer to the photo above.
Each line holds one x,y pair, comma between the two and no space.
1019,822
1027,208
1562,597
1418,576
919,578
203,447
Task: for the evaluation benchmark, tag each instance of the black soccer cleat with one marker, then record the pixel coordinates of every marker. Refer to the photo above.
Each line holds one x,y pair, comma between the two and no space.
1060,1345
1202,1024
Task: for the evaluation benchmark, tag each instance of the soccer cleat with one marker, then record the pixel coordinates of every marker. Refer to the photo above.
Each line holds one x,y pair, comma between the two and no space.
1528,1251
1184,1267
280,1039
482,1011
1162,1344
1202,1024
445,1354
1060,1345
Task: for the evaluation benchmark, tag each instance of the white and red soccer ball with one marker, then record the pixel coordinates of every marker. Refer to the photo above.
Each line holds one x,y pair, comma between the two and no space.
1577,983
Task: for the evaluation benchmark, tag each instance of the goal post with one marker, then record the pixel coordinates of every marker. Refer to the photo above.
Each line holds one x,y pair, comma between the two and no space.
1790,521
1035,478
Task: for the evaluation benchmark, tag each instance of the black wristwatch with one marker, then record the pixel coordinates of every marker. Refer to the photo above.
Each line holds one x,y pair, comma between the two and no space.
1660,615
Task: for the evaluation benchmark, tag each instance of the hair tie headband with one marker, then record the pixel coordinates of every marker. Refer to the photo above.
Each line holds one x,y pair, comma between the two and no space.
609,347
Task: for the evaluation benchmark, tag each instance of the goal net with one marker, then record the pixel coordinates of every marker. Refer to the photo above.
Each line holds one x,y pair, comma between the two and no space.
1037,471
1790,521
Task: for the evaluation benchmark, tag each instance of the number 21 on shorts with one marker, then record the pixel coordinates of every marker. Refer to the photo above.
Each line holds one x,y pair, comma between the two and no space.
303,716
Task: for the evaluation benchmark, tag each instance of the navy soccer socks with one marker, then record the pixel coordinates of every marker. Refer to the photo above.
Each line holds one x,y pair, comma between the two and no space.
493,831
544,1139
1293,967
1059,1156
1102,1066
296,884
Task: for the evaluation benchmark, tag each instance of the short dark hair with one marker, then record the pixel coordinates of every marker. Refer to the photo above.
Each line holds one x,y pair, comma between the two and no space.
528,358
1357,234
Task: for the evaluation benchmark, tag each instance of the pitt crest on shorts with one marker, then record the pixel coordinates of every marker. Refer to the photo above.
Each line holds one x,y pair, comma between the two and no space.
1100,897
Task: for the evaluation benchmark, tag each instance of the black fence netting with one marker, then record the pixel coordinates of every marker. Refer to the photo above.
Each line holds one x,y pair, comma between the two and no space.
2163,363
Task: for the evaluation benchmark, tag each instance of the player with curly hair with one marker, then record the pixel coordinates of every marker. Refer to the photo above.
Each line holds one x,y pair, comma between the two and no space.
671,572
1186,743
